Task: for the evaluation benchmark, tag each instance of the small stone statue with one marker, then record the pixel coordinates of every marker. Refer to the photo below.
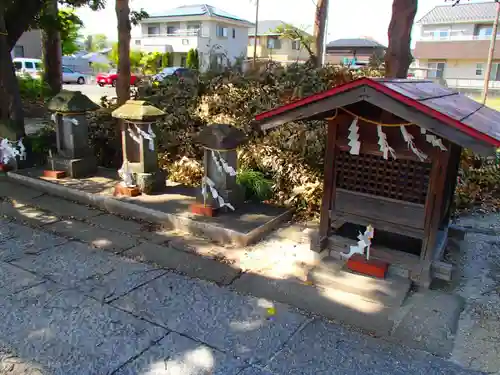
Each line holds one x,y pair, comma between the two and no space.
126,176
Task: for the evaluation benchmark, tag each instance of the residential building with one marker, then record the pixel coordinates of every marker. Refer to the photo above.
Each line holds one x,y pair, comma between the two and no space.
218,36
271,45
353,51
452,45
29,45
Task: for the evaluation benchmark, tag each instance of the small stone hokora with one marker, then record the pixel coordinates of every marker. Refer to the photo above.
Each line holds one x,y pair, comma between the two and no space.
126,176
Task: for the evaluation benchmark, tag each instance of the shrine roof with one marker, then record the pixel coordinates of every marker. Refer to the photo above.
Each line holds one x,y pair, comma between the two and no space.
439,109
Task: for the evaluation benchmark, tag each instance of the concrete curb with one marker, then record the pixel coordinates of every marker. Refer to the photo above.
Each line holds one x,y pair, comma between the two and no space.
119,207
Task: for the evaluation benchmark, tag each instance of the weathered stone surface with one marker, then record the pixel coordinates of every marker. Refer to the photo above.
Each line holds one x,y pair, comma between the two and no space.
253,370
23,213
195,308
27,241
176,354
221,137
324,348
151,232
14,279
431,322
14,190
11,364
70,334
64,208
333,304
71,102
69,264
187,263
94,236
126,275
138,110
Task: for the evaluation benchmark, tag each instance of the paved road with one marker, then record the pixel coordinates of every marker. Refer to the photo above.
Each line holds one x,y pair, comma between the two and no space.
67,308
93,91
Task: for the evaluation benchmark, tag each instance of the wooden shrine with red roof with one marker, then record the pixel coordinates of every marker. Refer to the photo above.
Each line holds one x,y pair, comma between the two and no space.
392,159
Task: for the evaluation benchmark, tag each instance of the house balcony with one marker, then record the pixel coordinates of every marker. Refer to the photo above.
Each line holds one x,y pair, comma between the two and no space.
470,84
455,49
180,41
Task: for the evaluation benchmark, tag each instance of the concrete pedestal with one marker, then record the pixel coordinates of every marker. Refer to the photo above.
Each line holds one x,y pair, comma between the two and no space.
74,168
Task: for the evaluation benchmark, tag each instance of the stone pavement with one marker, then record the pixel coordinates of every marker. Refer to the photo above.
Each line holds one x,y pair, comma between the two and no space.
68,308
61,251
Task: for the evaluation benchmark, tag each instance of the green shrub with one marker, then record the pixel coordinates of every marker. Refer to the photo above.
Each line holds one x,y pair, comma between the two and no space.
33,89
257,186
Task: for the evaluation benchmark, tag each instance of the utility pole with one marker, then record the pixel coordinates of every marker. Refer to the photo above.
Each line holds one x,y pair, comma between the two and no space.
491,53
256,33
325,39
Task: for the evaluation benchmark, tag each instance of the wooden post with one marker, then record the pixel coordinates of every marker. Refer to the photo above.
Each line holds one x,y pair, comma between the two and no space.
328,201
433,206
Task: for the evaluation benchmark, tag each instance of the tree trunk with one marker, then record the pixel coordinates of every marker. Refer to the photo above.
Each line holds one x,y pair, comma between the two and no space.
398,56
11,107
320,30
123,17
52,50
19,16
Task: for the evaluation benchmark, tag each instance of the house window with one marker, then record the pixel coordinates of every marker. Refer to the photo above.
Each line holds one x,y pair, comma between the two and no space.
443,34
479,69
296,44
221,31
234,33
138,42
18,51
273,42
172,29
185,42
251,41
153,30
193,28
436,69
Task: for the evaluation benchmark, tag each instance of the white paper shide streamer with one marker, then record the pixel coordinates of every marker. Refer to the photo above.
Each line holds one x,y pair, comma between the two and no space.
433,140
223,167
384,146
207,182
10,150
411,144
353,137
140,134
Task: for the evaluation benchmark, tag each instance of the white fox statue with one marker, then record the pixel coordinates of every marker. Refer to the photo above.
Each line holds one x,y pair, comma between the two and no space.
364,242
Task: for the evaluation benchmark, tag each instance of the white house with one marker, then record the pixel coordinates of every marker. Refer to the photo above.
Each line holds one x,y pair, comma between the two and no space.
217,35
452,45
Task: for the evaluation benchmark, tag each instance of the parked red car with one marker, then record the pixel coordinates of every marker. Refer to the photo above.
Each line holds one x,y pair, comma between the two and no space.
111,78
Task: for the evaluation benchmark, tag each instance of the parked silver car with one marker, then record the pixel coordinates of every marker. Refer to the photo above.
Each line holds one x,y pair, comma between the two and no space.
70,76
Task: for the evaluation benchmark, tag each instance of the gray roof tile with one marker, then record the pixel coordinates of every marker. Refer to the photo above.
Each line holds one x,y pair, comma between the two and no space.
354,42
464,12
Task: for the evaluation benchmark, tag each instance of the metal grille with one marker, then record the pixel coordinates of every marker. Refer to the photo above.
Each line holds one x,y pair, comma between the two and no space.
405,180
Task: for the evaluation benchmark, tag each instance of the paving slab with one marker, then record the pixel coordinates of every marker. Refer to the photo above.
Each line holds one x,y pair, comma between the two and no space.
64,208
333,304
25,241
184,262
14,190
69,264
11,364
431,322
14,279
222,319
96,237
23,213
178,355
70,334
126,276
151,232
325,348
332,274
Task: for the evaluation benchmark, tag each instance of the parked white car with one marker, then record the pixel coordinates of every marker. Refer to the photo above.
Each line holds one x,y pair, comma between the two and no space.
70,76
23,65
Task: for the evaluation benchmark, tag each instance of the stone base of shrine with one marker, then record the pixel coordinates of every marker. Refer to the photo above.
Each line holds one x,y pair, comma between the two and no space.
169,208
75,168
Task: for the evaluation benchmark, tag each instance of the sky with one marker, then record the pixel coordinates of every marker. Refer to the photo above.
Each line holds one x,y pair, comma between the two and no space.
346,18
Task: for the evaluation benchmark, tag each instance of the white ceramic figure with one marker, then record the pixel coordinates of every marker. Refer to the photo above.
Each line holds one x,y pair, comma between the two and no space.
126,176
364,242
